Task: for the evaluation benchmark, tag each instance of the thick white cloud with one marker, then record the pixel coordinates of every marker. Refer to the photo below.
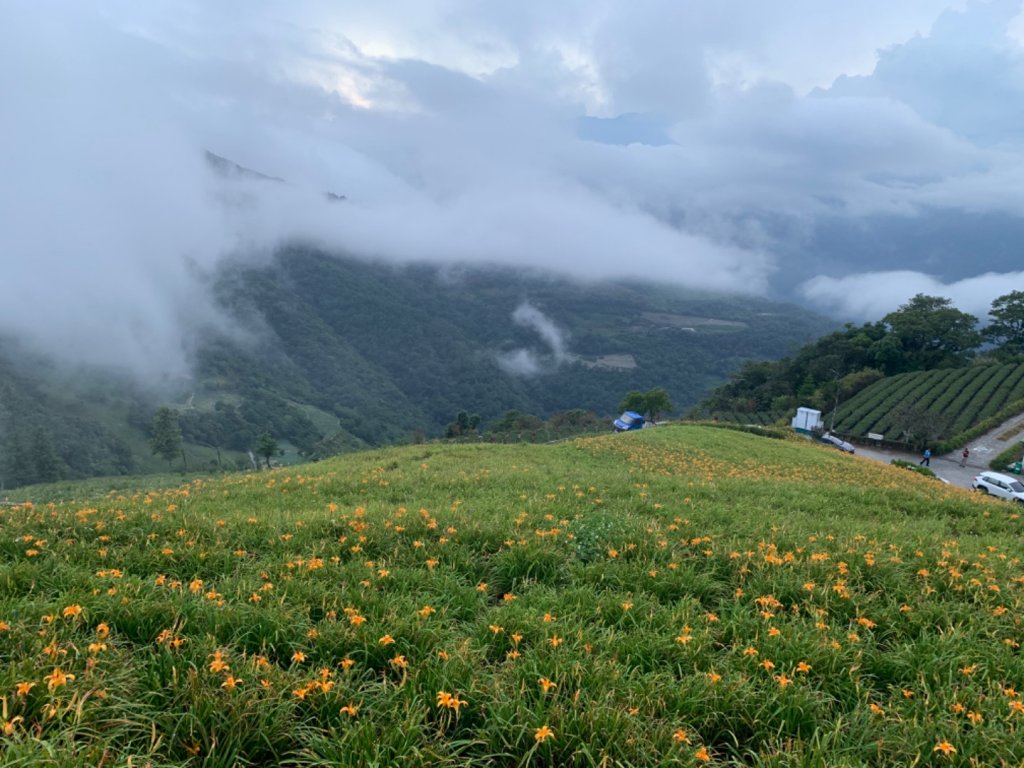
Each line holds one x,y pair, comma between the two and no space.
452,127
872,295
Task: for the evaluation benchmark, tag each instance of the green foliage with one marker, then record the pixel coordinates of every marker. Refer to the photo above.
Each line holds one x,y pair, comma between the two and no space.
576,421
917,426
651,403
777,433
649,579
516,427
763,418
165,439
391,351
45,462
925,334
44,436
909,465
1010,456
931,333
633,401
464,425
515,422
1006,328
266,446
980,428
346,353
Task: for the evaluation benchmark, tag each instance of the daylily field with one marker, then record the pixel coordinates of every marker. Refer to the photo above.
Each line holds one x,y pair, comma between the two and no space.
679,596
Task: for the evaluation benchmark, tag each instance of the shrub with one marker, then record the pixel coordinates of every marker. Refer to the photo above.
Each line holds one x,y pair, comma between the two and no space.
776,433
1007,457
913,467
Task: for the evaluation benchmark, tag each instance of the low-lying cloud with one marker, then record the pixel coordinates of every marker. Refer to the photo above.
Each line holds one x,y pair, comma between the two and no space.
556,339
530,362
455,133
871,296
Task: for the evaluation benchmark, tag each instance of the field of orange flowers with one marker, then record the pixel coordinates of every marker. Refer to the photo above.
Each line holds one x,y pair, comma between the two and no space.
681,596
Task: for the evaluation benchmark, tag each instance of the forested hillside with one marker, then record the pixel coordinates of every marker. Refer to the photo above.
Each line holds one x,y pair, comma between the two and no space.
329,354
924,372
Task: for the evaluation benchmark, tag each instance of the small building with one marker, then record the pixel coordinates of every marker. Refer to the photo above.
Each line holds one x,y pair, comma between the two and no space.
807,420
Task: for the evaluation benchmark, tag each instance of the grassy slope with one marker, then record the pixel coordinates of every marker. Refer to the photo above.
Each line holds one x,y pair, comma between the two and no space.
670,583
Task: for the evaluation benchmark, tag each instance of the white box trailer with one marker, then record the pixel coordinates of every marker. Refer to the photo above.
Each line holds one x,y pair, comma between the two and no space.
807,420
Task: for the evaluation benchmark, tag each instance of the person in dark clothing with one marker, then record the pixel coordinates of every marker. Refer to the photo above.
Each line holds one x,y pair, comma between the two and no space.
927,458
964,455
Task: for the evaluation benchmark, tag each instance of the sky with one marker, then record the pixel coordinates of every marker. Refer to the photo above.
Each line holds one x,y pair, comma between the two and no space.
846,156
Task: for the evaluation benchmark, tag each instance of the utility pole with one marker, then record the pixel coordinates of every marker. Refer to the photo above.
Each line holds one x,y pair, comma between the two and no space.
836,376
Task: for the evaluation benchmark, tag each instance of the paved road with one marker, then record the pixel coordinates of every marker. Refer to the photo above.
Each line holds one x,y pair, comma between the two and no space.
983,449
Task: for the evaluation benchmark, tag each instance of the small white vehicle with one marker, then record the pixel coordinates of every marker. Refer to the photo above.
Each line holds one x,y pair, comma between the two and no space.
1003,486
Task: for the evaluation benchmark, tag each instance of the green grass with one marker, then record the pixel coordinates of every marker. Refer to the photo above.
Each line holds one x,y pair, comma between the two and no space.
695,595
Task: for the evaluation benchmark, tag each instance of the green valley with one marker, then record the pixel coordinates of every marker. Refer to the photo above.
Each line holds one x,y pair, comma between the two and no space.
329,354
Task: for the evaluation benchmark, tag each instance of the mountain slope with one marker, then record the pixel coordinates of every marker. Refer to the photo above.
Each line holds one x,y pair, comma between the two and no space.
437,336
329,354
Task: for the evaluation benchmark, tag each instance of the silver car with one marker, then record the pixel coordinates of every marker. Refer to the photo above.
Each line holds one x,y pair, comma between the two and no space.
836,442
1003,486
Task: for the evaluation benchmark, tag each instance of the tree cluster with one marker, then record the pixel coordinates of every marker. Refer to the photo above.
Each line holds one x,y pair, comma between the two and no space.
463,426
650,404
166,436
927,332
33,462
40,442
516,426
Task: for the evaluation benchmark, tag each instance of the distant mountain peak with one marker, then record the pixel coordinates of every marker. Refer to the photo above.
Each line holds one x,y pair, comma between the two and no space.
232,170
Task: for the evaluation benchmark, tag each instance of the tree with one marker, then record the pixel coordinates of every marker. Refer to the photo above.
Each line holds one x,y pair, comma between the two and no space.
633,401
44,458
918,426
515,422
1007,327
576,421
651,403
657,402
266,446
932,333
19,470
166,435
464,424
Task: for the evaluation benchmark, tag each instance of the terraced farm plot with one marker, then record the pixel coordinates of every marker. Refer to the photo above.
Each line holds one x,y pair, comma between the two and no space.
680,596
760,418
961,397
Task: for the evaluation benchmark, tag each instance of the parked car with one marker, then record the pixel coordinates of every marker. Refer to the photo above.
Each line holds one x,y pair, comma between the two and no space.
836,442
1003,486
629,421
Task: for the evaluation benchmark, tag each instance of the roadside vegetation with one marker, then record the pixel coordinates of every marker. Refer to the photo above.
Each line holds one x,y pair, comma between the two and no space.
924,374
1012,455
675,596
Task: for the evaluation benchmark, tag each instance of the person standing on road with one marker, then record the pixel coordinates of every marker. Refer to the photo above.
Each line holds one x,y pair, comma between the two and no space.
927,458
964,455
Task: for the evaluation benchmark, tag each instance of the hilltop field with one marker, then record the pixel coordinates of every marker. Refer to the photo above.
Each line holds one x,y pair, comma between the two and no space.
677,596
